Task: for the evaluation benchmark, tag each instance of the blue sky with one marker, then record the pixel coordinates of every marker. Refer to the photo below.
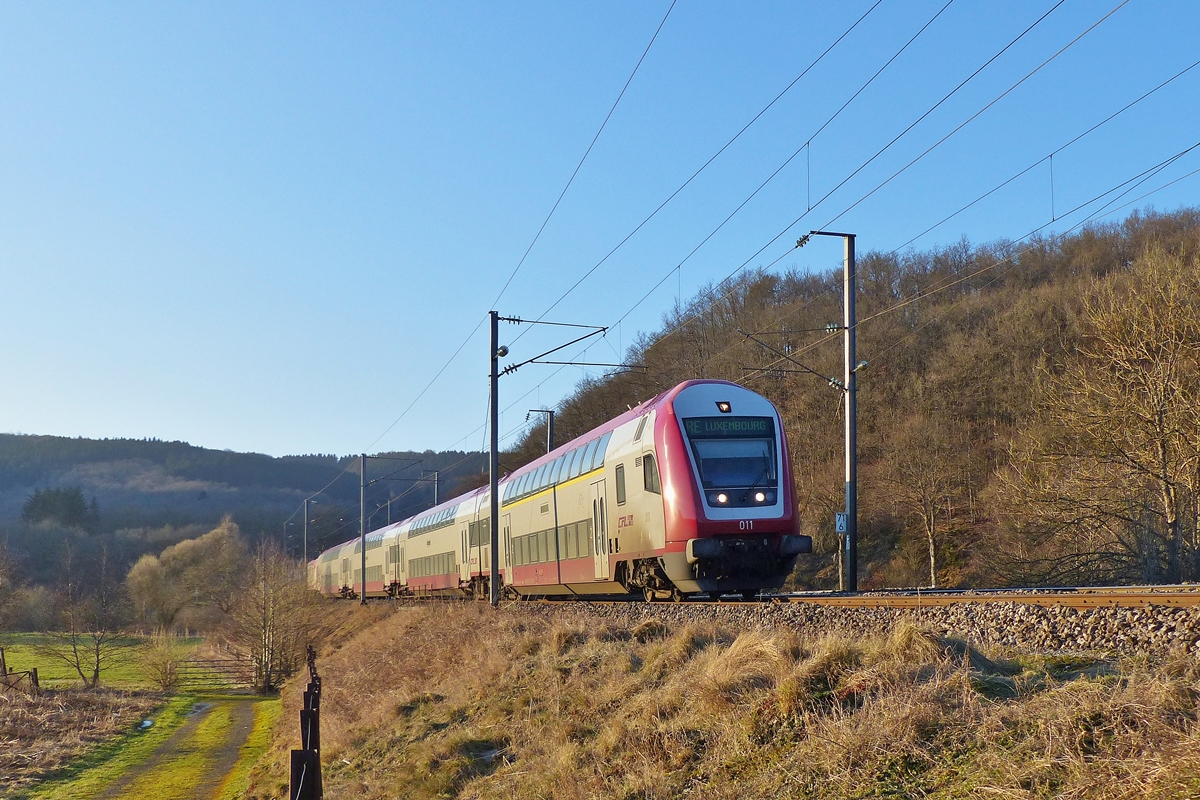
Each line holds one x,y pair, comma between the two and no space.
267,226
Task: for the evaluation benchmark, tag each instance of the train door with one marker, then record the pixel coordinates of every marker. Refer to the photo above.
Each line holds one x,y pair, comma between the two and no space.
466,555
506,533
599,530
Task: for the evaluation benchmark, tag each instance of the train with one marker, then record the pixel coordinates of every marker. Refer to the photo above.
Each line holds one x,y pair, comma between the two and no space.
689,493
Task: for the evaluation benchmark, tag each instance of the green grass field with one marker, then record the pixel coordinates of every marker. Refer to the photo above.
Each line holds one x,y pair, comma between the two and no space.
25,650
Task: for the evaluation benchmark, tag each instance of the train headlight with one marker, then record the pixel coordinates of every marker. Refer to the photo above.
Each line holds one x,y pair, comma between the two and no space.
722,498
760,497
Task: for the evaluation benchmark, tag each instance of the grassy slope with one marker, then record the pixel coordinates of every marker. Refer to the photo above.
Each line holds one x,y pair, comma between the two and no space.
462,701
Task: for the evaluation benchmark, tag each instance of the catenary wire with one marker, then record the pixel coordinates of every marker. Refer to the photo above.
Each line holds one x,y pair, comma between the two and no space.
781,167
1131,183
479,324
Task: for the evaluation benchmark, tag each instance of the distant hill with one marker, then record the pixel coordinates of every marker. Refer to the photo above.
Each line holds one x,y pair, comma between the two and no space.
150,482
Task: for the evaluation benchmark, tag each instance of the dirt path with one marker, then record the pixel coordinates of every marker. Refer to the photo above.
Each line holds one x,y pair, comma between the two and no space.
196,761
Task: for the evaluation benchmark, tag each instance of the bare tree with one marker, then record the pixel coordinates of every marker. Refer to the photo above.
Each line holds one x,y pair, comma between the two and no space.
91,610
271,622
924,476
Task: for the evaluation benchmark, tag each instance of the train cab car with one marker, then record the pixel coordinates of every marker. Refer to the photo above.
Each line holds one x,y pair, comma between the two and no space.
726,481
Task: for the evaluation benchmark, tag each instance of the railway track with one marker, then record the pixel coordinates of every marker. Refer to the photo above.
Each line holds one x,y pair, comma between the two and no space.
1079,597
1063,597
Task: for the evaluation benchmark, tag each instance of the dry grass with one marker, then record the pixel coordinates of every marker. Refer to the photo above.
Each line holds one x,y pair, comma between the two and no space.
40,734
463,701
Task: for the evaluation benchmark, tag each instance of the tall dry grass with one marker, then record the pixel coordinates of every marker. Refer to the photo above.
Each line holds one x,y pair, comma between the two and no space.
41,734
464,701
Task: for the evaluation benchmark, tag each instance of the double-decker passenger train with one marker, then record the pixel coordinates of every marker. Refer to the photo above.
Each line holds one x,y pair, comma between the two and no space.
690,492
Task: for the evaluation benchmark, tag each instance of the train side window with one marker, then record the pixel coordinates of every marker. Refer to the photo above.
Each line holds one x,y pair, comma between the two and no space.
560,469
620,484
650,474
637,436
573,463
601,446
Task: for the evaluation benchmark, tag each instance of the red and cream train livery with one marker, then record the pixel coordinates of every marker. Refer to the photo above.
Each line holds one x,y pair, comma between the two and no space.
689,492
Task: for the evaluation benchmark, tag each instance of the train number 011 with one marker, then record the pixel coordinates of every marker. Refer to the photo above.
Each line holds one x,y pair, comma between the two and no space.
746,525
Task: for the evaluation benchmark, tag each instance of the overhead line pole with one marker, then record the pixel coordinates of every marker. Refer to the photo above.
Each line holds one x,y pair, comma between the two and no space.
549,412
362,528
497,352
494,459
850,389
851,376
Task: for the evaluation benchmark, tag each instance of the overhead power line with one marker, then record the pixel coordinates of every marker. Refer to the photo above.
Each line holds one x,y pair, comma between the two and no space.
1128,184
516,269
1051,154
974,116
781,167
705,165
586,152
923,116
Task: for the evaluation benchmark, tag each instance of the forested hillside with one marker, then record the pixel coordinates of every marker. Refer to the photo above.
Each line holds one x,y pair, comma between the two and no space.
86,502
139,482
1029,413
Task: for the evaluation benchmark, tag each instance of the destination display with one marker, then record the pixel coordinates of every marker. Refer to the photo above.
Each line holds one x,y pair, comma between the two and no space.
728,427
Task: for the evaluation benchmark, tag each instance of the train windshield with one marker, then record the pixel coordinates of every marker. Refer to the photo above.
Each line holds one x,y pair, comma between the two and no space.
733,452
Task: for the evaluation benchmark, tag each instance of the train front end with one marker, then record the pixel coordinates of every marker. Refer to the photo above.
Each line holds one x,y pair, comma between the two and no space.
731,525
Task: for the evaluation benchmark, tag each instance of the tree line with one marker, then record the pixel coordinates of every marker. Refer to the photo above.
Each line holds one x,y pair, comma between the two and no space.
249,599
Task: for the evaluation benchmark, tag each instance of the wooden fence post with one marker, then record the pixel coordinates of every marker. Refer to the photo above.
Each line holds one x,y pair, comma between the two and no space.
306,762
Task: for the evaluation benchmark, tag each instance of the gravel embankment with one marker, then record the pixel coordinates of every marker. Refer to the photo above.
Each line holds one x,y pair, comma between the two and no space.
1158,630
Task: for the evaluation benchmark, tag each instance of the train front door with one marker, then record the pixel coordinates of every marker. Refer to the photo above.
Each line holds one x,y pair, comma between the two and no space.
599,531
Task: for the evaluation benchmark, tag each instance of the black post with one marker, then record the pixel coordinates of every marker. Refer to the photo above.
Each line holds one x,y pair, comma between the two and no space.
306,762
